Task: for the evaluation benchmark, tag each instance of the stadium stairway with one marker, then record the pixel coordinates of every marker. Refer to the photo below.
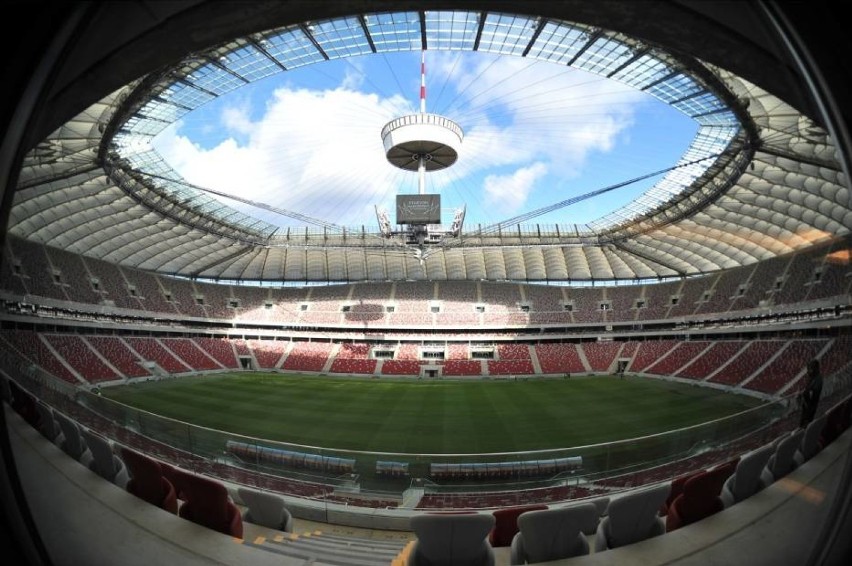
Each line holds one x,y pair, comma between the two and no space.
411,497
316,546
582,354
534,358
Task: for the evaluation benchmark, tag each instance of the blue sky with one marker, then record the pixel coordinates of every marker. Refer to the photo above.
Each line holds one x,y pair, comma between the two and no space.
536,133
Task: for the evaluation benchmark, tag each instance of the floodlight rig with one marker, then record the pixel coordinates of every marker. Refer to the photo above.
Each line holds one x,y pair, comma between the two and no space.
421,142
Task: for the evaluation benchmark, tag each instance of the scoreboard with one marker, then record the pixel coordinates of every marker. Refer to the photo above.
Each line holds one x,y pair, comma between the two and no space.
418,209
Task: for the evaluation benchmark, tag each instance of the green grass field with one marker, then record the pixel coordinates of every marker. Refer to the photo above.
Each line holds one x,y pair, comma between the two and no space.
431,416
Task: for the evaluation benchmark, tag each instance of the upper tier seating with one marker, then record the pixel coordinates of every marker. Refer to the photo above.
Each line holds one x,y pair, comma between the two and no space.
32,269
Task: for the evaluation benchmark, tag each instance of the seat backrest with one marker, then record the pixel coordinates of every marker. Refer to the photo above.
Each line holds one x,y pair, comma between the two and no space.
146,479
700,497
602,506
506,523
724,470
264,508
73,445
5,390
453,538
24,403
809,446
634,516
677,487
177,477
781,462
207,503
47,423
745,481
552,534
836,422
104,461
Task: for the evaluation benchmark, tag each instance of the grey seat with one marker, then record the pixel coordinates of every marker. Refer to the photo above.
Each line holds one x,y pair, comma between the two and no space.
105,462
632,517
781,461
73,443
5,390
747,477
809,446
552,534
48,426
266,509
452,539
602,506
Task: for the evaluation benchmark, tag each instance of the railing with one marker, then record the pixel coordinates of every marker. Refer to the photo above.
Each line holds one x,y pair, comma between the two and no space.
380,479
394,472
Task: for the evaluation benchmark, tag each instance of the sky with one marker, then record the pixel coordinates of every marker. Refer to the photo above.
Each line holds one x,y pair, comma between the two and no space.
308,140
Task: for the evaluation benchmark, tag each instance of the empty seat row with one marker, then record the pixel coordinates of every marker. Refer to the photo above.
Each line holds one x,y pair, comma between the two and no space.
536,533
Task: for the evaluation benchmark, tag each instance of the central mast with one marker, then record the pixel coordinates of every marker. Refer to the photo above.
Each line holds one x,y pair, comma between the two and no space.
421,142
421,169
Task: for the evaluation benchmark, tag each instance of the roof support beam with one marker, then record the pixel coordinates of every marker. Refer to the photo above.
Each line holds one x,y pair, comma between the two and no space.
363,21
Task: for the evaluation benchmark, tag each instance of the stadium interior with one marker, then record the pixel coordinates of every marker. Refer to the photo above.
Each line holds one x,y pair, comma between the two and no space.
726,277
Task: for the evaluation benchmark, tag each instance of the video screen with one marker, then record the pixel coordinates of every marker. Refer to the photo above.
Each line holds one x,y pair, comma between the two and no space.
418,209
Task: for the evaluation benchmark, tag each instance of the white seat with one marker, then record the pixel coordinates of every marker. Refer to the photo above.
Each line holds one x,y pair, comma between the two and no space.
552,534
747,477
781,461
810,441
105,462
452,539
73,443
48,426
265,509
632,517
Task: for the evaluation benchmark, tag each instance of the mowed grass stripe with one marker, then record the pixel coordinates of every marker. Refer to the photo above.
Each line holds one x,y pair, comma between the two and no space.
431,416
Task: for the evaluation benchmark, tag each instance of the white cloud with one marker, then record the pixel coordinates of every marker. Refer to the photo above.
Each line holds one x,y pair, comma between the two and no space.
320,152
354,76
236,119
517,112
508,193
317,153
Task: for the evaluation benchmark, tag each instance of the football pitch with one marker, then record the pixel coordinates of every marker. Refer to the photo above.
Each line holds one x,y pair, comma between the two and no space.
431,416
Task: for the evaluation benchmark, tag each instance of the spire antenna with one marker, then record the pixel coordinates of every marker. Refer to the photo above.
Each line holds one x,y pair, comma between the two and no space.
423,82
421,142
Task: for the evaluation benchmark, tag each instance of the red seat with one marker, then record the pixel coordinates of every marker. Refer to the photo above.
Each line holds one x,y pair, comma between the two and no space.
24,403
176,476
677,489
147,481
700,497
207,504
836,422
506,524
